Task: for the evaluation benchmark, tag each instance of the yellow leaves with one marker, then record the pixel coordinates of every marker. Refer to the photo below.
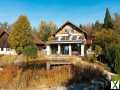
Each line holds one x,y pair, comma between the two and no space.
21,35
46,30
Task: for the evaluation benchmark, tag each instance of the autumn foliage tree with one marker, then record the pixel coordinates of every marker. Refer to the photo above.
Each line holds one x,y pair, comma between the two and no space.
108,38
46,30
20,37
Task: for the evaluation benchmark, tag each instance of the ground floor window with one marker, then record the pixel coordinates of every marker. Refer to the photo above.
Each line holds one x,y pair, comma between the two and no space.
54,49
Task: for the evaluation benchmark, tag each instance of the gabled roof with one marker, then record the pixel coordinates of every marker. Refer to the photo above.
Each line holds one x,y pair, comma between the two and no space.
2,31
3,36
73,26
36,40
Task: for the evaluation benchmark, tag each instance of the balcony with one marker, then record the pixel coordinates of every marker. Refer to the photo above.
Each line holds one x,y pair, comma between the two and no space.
69,38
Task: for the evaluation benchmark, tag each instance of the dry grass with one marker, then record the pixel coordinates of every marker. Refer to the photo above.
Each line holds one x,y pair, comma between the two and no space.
8,58
13,77
34,74
7,74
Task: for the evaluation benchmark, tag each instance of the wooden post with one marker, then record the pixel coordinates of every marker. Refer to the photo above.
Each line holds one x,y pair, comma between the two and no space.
48,49
48,66
59,49
70,50
82,49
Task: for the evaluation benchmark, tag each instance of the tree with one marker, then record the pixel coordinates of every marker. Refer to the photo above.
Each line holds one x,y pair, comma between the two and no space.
117,23
4,25
97,52
97,26
104,37
117,59
113,54
108,23
80,26
46,30
20,37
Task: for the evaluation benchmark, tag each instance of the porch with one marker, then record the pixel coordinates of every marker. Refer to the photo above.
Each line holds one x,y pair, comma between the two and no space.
65,48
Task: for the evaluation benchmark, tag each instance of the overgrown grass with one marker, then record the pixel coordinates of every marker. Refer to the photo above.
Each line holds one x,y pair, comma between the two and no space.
34,74
116,77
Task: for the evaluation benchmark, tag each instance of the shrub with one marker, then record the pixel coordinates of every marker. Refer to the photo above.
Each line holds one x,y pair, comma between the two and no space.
30,51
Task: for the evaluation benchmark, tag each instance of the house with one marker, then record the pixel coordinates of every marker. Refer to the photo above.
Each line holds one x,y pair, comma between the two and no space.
68,40
6,50
40,44
4,46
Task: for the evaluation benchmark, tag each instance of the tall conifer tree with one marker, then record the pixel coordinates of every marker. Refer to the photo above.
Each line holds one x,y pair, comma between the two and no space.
108,20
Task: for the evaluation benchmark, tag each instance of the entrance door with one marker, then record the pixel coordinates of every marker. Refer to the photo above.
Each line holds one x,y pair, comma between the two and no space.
65,49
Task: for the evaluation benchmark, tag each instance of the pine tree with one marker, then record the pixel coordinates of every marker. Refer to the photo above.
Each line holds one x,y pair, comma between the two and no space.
20,36
108,20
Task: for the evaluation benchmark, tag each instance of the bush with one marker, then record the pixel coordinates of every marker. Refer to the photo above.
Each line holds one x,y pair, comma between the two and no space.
113,55
30,51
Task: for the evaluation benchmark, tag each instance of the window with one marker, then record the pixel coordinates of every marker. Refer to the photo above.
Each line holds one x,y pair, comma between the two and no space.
74,38
56,38
8,49
62,38
1,49
72,31
65,38
66,31
81,37
59,38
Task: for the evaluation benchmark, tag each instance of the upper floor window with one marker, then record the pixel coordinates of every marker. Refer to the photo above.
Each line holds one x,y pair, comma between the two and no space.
59,38
81,37
66,30
74,38
72,31
56,38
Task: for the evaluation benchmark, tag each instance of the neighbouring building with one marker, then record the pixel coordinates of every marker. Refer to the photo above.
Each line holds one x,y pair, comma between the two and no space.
6,50
4,46
68,40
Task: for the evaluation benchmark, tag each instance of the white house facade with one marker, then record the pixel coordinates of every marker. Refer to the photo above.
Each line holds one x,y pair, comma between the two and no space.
7,51
68,40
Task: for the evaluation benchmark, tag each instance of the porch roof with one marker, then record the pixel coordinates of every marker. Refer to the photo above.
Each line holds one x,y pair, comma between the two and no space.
65,42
